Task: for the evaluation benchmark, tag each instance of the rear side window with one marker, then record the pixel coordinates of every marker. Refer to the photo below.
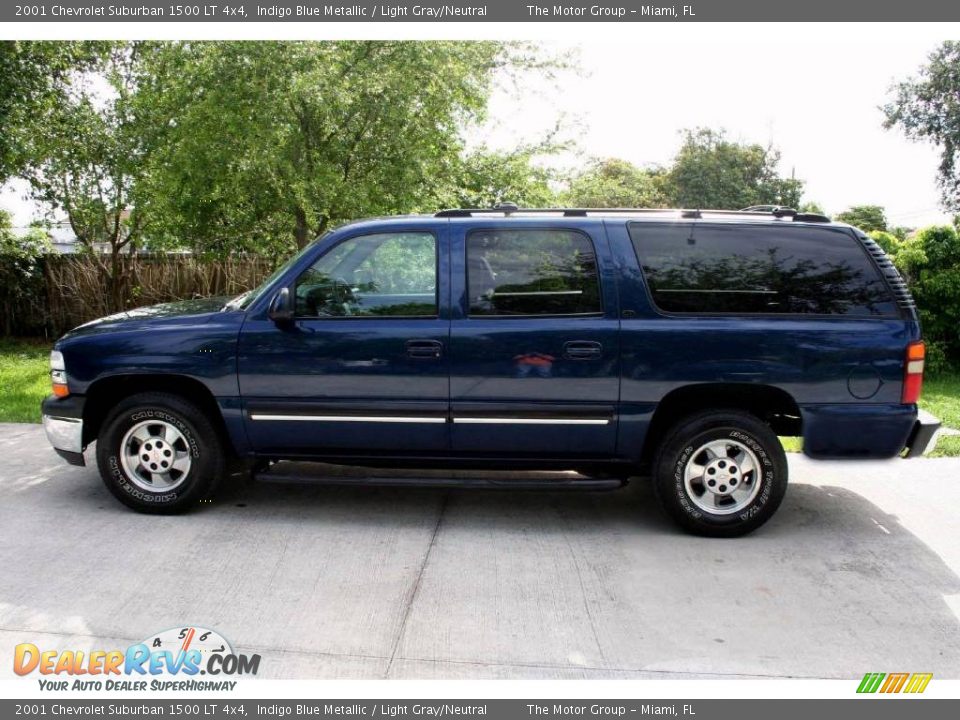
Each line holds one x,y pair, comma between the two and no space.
758,269
532,272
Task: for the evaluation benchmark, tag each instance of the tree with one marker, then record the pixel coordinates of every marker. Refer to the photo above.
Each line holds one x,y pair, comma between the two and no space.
21,271
812,207
710,171
900,232
926,108
32,74
84,153
612,182
865,217
930,262
269,144
888,241
484,178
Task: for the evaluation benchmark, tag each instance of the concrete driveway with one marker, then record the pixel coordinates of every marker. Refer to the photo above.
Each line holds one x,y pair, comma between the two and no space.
857,572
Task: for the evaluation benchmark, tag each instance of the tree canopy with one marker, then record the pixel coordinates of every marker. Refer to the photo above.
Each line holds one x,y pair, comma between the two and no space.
865,217
711,171
83,149
261,146
257,146
268,141
32,74
927,107
613,182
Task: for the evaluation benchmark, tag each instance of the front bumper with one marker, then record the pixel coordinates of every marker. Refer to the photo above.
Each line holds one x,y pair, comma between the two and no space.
921,437
63,423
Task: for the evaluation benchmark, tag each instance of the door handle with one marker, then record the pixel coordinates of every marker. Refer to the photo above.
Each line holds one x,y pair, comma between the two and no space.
428,349
582,350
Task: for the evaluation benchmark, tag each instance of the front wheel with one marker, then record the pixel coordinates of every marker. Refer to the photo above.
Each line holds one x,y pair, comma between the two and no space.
720,473
159,453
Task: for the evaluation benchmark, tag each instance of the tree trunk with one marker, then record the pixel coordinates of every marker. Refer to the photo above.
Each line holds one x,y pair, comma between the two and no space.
115,281
302,230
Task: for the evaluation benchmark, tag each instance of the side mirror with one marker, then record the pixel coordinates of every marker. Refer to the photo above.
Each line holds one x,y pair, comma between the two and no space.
281,307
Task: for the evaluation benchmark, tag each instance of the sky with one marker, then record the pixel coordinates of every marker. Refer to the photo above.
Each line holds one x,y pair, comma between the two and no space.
817,101
814,95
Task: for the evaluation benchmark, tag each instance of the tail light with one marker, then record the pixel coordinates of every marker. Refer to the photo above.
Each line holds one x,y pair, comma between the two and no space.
913,373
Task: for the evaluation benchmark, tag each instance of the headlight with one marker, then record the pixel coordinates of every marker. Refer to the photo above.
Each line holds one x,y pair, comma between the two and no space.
58,374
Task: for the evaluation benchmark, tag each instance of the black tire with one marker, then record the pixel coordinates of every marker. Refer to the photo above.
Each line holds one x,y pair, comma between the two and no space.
692,433
199,441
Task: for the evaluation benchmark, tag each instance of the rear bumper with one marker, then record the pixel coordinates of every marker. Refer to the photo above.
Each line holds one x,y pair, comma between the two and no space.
860,431
921,436
866,431
63,423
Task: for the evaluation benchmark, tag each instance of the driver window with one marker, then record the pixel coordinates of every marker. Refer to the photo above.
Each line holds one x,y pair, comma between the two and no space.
388,274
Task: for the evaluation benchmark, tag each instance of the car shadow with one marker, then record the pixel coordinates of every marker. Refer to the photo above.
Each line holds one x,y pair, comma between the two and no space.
834,585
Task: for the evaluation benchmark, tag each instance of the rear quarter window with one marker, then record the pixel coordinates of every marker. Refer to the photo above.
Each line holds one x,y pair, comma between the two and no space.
758,269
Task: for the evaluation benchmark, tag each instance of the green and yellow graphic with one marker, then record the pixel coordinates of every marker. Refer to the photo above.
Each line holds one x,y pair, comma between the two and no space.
894,682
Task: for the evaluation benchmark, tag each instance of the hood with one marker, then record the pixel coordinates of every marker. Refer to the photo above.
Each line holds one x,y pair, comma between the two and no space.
182,312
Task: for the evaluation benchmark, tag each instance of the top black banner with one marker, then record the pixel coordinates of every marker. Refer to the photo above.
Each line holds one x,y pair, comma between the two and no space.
490,11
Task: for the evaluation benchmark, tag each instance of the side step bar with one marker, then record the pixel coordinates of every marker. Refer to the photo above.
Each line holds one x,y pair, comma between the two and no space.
323,474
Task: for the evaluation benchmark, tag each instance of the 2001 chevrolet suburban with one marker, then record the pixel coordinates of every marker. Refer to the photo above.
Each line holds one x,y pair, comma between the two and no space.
676,344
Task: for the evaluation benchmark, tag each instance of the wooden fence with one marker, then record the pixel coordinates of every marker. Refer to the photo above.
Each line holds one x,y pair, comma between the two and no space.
75,288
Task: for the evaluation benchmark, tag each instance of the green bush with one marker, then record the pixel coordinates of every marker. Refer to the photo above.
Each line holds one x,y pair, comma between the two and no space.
888,241
21,272
930,262
937,362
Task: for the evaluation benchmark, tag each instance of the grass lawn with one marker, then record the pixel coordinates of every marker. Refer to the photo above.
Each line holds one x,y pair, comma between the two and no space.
25,381
24,378
941,396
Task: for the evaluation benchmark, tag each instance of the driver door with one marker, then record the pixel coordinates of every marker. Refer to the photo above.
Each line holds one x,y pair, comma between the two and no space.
364,363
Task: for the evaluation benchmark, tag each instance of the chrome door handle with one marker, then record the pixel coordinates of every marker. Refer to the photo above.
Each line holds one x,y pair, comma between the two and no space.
424,349
582,350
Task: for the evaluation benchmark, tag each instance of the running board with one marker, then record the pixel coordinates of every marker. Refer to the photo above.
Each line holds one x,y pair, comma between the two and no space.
323,474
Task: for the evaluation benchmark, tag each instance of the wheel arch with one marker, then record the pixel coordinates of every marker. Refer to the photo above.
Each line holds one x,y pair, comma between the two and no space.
104,394
771,404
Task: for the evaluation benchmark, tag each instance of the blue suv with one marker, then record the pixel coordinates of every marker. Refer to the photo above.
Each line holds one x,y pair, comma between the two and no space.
674,344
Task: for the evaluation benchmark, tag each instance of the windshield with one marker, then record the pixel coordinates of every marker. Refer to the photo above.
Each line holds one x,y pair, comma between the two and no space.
245,300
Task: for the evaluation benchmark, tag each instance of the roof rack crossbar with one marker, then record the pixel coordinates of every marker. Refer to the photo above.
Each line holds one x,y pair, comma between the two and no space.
773,211
572,212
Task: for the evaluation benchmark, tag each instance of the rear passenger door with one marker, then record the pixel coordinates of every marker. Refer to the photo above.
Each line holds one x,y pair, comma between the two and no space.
534,347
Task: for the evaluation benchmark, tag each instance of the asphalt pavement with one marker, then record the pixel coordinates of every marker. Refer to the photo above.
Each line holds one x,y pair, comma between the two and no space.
858,571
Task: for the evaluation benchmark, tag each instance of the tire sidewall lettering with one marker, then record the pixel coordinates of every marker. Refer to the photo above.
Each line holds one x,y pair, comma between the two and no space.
688,507
116,469
767,477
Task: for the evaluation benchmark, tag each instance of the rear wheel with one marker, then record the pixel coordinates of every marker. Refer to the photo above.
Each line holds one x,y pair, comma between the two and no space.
720,473
159,453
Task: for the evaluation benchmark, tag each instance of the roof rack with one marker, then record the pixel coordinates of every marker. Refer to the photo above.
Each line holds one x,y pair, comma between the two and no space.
781,211
510,208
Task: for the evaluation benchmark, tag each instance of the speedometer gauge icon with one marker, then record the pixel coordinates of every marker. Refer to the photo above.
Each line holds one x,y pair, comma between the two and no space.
184,639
